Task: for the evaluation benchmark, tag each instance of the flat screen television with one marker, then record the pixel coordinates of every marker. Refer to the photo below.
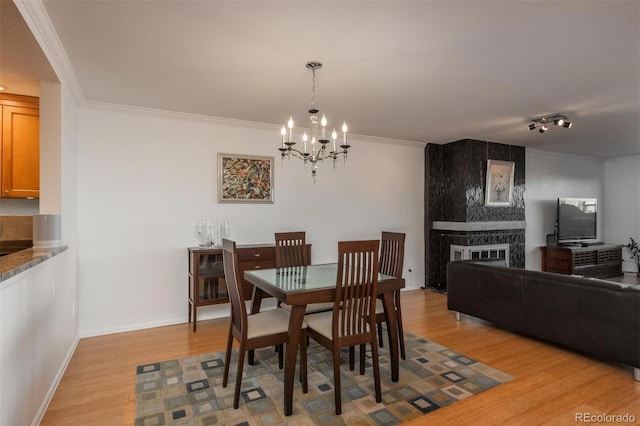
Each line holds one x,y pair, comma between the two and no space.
577,219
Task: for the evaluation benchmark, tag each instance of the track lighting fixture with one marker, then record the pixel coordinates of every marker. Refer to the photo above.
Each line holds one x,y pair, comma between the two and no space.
541,122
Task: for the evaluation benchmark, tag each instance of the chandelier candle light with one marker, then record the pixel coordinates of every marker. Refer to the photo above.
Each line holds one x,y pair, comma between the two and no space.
317,154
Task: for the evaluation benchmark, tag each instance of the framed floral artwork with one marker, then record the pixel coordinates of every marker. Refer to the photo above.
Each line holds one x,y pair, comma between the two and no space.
245,179
499,188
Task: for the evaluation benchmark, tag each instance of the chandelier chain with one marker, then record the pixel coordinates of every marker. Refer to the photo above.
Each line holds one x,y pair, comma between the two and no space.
314,101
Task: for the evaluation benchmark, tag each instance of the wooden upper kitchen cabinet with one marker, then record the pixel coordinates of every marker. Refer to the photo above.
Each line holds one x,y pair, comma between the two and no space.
20,171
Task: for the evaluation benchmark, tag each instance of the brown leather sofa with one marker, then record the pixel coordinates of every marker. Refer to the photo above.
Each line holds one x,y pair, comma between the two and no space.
600,318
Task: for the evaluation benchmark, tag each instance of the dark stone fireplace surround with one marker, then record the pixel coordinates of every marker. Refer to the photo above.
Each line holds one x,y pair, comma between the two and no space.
455,176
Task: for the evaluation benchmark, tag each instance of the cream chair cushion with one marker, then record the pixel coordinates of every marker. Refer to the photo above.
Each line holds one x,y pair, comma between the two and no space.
322,323
379,307
268,322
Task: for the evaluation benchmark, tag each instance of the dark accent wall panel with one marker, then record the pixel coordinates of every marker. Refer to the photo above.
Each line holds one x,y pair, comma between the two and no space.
455,176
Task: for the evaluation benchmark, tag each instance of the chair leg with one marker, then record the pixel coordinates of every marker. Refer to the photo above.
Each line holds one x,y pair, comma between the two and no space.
303,361
376,369
280,356
352,356
380,335
336,380
227,358
236,395
363,349
403,355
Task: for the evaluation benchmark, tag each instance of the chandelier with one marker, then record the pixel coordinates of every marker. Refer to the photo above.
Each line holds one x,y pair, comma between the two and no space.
317,150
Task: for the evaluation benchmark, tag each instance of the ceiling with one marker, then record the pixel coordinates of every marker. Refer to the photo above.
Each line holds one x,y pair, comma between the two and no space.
425,71
22,63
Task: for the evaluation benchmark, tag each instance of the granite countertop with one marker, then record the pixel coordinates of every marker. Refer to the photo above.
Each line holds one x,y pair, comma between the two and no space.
20,261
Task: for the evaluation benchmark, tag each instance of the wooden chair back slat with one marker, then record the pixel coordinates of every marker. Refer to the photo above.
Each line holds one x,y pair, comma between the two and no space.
392,253
291,249
356,287
236,297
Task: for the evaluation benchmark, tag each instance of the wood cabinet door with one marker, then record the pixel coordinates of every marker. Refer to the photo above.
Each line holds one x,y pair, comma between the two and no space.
20,152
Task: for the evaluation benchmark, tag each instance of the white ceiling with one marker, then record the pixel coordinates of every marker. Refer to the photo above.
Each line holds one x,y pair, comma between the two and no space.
427,71
22,63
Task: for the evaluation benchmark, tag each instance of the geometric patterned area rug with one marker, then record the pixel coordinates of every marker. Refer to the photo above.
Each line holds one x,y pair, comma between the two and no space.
189,391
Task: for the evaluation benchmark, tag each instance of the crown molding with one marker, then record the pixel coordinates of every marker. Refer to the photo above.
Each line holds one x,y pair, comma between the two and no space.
106,106
35,16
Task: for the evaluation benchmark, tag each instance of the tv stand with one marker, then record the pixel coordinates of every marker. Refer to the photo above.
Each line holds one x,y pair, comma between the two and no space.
579,243
598,261
592,243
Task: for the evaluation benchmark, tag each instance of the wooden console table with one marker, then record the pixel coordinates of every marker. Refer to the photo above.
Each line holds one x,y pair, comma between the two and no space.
603,261
206,283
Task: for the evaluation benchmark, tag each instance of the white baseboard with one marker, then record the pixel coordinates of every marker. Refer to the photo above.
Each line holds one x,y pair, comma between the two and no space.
203,314
54,385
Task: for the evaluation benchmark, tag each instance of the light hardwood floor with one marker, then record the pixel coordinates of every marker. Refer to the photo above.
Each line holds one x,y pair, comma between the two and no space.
552,384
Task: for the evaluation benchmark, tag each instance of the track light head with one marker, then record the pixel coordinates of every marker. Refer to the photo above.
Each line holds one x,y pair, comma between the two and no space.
541,123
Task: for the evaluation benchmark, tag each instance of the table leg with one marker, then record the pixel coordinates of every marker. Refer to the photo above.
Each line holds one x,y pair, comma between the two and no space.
295,325
256,300
392,330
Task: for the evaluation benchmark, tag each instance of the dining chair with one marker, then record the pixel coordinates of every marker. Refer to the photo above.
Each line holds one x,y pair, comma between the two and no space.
391,263
352,321
254,331
291,251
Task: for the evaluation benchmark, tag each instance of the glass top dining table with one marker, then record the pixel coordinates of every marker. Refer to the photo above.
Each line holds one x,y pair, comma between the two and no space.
303,278
302,285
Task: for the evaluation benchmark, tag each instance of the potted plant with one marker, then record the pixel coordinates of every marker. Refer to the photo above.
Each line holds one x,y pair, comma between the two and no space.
634,251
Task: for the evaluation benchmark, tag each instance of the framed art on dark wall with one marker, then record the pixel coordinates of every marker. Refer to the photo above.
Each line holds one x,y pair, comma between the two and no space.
245,179
499,187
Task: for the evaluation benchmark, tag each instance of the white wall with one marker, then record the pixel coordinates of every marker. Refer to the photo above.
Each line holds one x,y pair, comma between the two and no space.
553,175
50,149
622,203
146,178
37,340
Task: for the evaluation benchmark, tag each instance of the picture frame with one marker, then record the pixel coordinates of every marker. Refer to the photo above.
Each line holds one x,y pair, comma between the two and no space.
499,186
245,178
